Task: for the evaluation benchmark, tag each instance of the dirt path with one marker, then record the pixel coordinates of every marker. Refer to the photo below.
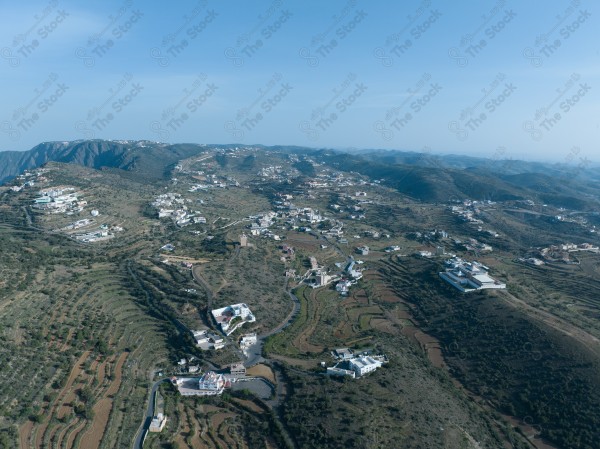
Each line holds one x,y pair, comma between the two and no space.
554,322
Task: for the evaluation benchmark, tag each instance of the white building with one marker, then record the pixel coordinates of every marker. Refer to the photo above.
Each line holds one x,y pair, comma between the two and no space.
158,423
364,365
232,317
469,276
211,384
248,340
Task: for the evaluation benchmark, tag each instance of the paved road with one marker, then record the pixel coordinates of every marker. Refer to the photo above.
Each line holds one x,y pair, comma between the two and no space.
254,352
139,439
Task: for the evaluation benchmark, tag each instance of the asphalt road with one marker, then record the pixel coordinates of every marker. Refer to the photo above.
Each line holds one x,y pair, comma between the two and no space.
137,444
254,353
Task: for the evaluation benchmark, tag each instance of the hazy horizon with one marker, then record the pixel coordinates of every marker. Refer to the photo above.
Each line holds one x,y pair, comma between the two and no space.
482,80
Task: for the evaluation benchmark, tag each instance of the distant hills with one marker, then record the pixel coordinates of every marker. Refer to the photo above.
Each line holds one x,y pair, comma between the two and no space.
151,159
426,177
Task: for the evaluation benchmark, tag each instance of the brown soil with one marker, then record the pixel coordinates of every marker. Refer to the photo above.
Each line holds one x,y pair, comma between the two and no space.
24,433
73,434
261,371
93,436
249,404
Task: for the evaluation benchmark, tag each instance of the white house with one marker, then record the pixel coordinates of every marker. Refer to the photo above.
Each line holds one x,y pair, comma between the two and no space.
158,423
364,365
211,384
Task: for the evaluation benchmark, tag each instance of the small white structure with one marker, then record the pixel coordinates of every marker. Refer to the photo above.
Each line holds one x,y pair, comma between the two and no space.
95,213
158,423
342,353
248,340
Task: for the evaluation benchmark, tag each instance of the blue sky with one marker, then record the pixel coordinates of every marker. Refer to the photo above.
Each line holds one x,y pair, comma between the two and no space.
489,78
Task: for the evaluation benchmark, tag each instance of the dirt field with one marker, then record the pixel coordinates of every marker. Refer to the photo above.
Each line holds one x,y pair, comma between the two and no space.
261,371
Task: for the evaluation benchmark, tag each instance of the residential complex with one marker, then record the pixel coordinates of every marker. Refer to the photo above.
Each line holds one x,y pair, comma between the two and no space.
231,317
469,276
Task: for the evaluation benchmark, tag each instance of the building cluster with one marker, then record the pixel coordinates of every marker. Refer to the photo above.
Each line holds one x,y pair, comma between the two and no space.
562,253
28,179
231,317
206,340
172,205
59,200
350,277
472,244
352,365
469,276
468,211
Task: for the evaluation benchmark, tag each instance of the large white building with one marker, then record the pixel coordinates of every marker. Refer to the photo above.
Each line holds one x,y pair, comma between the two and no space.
231,317
364,365
211,384
469,276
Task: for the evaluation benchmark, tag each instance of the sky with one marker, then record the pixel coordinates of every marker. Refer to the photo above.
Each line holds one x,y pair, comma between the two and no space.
497,79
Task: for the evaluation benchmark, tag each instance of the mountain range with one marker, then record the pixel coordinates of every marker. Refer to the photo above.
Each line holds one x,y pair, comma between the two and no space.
426,177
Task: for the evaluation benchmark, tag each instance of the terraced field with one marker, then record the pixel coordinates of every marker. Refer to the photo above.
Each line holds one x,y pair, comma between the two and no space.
235,422
76,351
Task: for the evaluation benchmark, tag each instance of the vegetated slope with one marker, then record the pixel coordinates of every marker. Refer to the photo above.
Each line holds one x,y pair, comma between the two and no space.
430,184
523,367
149,159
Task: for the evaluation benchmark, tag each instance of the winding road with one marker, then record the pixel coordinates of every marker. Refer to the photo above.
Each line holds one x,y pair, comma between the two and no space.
252,356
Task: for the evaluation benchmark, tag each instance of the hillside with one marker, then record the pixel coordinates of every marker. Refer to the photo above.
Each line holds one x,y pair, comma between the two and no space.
146,158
